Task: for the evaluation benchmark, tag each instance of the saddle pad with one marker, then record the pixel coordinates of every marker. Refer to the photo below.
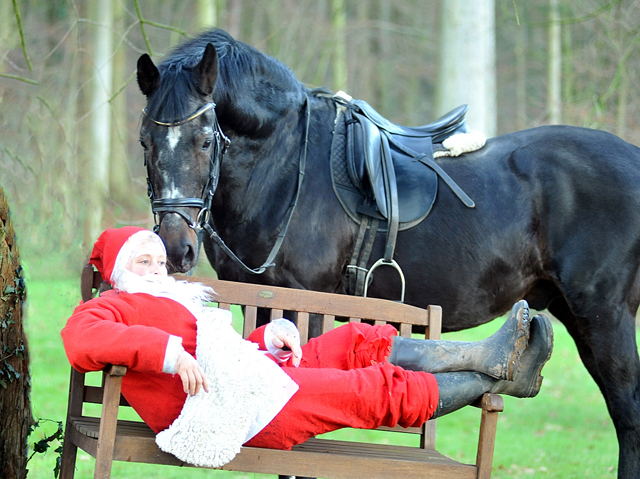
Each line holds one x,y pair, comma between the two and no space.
417,185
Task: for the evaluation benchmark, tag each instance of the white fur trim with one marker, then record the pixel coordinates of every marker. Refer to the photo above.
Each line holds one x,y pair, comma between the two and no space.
171,353
246,391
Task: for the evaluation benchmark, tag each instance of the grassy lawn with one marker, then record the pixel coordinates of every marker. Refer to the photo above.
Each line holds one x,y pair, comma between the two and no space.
565,432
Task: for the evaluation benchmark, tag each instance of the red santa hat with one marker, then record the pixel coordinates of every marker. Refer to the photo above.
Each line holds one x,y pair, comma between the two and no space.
114,248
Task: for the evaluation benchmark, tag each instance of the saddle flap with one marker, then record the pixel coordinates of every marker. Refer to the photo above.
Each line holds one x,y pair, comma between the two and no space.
376,150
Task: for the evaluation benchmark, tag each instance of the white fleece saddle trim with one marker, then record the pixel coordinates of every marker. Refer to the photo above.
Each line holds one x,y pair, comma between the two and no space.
462,143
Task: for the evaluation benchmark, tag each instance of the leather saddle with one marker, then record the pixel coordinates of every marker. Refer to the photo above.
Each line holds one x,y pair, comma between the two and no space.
384,174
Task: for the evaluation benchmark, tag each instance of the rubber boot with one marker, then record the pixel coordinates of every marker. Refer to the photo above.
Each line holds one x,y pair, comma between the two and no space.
497,356
459,389
529,379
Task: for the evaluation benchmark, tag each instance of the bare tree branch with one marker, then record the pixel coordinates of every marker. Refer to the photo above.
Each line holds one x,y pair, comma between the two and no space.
143,21
22,41
19,78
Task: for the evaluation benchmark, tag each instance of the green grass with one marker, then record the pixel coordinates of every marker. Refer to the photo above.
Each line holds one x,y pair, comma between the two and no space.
565,432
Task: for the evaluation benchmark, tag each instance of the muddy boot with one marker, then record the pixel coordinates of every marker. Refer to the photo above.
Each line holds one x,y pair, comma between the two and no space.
459,389
529,380
497,356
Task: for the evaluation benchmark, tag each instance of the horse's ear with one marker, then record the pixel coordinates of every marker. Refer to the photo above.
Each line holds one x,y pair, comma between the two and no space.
148,75
206,72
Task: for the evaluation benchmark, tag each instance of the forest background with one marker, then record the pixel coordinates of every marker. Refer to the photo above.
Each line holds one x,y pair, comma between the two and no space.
70,162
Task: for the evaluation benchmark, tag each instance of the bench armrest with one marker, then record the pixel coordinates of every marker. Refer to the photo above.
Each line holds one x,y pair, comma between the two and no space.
116,370
490,402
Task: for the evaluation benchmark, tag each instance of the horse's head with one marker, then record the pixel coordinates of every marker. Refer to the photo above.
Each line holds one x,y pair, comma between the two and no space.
258,101
183,146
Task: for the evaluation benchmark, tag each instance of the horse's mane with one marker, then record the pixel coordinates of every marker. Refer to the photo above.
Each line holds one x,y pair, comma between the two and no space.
236,61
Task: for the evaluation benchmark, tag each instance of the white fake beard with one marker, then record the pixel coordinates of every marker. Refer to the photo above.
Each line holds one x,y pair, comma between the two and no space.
192,296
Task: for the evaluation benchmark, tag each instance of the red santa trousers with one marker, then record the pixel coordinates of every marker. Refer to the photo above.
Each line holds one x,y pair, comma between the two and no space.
345,381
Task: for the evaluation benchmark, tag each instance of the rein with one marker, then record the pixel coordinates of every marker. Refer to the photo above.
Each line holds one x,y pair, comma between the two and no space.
201,223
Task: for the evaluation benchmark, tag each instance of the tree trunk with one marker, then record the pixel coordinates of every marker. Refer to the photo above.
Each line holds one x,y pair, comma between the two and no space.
15,382
120,185
521,77
206,14
339,23
234,14
467,70
100,150
386,77
554,63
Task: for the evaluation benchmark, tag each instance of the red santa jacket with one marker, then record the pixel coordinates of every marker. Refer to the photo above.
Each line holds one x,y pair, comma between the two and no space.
133,330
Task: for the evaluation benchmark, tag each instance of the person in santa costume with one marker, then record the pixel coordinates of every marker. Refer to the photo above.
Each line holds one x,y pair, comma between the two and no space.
268,391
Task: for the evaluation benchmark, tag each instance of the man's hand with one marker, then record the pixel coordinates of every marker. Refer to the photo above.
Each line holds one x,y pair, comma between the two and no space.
192,375
286,334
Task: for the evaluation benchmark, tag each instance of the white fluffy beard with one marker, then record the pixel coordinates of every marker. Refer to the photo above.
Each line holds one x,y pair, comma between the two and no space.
192,296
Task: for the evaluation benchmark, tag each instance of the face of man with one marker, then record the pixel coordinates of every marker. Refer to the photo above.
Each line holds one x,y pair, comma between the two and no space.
149,259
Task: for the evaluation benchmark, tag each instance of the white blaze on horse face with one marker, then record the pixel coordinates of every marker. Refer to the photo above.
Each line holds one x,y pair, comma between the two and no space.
173,192
173,136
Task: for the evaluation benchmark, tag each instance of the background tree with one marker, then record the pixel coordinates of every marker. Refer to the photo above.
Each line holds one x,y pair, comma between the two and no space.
100,146
15,381
467,71
399,56
554,55
119,170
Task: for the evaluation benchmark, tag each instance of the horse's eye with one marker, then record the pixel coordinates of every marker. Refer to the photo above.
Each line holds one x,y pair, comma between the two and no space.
206,145
143,144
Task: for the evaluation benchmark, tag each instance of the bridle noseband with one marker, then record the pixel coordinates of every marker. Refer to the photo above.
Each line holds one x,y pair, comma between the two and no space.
176,205
219,147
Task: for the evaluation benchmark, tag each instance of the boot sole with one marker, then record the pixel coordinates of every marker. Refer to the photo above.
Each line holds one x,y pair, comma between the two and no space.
524,325
546,324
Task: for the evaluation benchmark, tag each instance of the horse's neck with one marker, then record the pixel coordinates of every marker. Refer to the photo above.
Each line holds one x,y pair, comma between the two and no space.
256,166
261,174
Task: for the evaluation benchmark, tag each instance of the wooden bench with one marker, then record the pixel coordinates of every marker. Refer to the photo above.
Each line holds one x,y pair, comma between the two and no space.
108,439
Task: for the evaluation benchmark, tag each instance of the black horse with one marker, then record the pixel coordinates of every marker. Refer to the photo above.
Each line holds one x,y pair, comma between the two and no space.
557,216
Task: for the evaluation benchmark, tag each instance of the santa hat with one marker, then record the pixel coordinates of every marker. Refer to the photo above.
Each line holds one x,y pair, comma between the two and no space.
116,246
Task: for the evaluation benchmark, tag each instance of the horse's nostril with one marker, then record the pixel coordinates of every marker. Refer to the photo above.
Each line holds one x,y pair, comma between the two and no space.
189,256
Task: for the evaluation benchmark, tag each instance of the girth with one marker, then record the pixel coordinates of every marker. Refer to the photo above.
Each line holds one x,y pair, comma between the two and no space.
379,176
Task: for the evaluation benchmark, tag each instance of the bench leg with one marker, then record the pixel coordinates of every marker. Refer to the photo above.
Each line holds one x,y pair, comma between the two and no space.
108,423
74,408
68,462
492,404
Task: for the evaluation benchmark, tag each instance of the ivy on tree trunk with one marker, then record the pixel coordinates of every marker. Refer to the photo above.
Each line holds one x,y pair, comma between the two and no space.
15,381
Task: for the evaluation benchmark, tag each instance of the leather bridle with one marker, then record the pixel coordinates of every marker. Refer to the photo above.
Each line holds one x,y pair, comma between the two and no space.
201,223
176,205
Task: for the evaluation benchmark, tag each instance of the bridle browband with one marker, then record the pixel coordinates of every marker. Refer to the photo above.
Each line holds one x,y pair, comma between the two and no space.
193,116
201,223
